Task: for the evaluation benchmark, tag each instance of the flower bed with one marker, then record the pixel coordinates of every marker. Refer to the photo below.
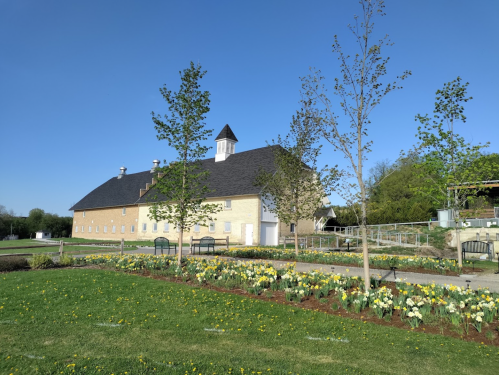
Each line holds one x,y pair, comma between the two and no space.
414,304
441,266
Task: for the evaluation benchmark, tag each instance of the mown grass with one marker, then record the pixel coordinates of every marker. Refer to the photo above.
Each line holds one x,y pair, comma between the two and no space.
25,242
92,322
67,249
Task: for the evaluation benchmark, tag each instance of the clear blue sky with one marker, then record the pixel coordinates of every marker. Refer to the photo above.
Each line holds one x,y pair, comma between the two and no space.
79,79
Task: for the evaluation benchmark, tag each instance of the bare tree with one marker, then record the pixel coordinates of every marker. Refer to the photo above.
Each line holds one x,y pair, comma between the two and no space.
360,90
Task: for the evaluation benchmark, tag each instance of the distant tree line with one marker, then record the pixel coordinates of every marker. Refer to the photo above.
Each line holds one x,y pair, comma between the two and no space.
392,196
38,219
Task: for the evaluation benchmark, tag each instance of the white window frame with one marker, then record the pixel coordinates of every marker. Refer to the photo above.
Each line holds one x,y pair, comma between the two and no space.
89,229
154,227
123,229
197,228
211,227
144,227
96,229
113,229
227,227
76,228
292,227
83,213
132,229
105,228
228,204
82,229
166,228
123,211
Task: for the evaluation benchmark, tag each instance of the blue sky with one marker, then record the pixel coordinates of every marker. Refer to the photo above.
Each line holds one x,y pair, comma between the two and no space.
79,79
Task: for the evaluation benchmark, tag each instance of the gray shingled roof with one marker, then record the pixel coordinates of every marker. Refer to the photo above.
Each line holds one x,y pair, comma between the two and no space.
233,176
226,133
116,192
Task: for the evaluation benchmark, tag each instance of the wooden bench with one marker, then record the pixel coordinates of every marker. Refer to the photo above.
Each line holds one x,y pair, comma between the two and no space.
162,243
206,242
476,247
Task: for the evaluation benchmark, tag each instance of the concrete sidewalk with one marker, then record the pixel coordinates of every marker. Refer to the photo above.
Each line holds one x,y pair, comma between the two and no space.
475,281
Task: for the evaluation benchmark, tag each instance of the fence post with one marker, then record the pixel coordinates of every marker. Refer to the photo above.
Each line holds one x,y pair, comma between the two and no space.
122,246
320,242
478,236
61,244
338,242
190,244
227,243
429,225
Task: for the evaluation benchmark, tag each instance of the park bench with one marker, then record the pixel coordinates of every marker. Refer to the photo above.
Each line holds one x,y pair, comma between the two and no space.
476,247
205,242
162,243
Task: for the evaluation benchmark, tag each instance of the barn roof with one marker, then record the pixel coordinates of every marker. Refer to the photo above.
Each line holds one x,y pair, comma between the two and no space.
234,176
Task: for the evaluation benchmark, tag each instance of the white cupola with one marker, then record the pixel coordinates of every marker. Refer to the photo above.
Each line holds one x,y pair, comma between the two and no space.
226,144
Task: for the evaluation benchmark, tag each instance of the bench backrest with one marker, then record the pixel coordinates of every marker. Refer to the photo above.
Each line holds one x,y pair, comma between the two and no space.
161,242
207,241
475,247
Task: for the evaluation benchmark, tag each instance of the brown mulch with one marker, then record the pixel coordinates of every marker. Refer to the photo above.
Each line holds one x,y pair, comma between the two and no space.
440,327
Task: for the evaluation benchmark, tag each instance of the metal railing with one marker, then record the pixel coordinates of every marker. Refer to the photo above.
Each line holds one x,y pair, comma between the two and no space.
379,237
312,242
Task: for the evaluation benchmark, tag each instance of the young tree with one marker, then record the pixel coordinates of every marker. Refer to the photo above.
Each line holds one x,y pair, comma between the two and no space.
180,187
360,90
297,189
452,169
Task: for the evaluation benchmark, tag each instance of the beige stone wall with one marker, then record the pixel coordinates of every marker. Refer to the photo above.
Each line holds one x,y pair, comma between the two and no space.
244,210
469,234
304,227
91,224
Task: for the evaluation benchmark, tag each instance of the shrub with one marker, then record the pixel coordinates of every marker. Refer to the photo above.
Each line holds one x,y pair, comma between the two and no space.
13,263
66,260
41,261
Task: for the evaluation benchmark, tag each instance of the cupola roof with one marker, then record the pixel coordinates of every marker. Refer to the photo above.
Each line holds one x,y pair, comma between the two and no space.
226,133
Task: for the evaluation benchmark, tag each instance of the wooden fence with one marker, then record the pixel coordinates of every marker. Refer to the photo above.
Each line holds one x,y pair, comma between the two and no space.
61,247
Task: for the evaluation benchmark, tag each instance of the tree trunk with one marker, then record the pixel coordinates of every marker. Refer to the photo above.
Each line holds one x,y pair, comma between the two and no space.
296,238
180,241
365,251
458,239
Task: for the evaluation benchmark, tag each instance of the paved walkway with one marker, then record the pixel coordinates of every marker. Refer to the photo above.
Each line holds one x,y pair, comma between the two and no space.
474,281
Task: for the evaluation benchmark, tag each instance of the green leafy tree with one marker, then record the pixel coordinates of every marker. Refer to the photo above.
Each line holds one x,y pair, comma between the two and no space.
35,220
451,168
20,226
360,90
297,188
180,187
6,218
391,195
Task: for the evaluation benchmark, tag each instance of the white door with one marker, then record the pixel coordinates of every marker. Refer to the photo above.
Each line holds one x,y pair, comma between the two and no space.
249,235
268,234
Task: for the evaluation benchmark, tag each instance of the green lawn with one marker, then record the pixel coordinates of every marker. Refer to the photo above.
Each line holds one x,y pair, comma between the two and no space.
19,243
67,249
88,321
